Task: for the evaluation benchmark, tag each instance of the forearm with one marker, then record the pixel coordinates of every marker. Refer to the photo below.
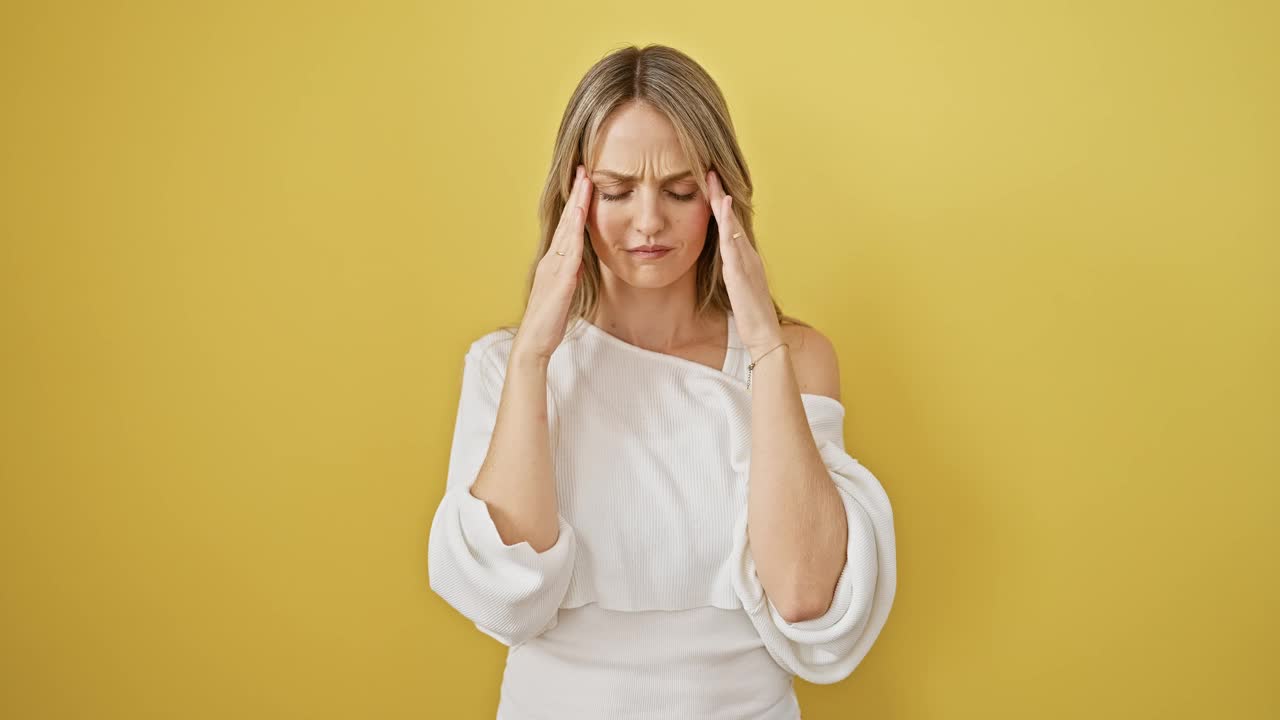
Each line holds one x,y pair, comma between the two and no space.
796,519
517,478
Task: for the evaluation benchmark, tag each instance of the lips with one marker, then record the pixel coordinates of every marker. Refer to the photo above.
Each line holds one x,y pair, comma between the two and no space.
646,253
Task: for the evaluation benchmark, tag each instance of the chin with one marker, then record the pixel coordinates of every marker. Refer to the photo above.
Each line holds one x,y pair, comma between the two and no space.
646,282
650,275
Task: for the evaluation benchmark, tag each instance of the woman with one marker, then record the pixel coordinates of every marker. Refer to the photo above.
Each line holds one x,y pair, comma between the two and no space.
648,497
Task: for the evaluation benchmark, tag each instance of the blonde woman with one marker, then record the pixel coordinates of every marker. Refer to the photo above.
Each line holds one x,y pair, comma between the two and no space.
648,498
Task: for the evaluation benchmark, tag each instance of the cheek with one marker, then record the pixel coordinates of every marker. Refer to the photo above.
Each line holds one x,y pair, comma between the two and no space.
608,223
693,225
602,231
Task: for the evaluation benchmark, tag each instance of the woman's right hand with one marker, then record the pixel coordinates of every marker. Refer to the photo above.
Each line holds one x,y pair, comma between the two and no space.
556,278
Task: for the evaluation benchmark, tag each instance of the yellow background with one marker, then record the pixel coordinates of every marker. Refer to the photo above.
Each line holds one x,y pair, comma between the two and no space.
245,245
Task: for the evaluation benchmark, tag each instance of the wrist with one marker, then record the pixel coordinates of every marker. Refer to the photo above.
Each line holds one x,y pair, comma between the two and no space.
776,352
526,360
757,351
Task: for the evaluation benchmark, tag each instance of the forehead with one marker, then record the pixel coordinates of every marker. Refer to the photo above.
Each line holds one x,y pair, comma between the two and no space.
638,139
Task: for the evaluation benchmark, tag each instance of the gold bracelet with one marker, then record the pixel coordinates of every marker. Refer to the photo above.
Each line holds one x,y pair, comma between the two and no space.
752,366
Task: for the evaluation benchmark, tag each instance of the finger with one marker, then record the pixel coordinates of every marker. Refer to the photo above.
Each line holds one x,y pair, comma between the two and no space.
742,247
728,246
715,193
567,214
715,197
577,238
576,234
725,219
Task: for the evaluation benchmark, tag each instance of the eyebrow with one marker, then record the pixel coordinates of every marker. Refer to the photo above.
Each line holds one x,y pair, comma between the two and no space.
627,178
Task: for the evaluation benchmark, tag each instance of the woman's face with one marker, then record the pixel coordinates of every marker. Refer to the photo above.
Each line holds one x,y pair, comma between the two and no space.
644,193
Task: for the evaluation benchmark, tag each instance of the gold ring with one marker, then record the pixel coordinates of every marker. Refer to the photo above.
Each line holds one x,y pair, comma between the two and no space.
737,235
558,252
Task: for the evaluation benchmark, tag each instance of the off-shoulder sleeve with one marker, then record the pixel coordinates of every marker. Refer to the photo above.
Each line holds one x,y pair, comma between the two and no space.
511,592
826,649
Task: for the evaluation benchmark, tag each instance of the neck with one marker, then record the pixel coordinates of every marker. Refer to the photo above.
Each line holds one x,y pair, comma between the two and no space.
662,319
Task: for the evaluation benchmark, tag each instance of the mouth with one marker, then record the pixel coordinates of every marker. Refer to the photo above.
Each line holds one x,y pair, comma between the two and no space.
650,251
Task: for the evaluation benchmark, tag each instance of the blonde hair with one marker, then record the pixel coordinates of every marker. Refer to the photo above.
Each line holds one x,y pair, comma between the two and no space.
675,85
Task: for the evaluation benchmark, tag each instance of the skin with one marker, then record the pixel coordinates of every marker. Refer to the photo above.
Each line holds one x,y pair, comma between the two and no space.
797,523
649,302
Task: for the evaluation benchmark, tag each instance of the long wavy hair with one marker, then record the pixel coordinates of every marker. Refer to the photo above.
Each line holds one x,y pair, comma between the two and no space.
677,86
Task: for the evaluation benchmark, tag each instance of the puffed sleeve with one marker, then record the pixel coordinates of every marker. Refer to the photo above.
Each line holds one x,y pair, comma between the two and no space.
511,592
826,649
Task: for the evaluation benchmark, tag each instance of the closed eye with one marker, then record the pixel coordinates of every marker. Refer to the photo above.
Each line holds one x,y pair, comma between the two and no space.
682,198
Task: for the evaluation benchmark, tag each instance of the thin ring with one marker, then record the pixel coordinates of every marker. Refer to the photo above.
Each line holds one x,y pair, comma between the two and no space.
737,235
558,252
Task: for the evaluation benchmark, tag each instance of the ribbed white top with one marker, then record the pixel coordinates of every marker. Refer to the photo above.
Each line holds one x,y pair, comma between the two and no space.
648,605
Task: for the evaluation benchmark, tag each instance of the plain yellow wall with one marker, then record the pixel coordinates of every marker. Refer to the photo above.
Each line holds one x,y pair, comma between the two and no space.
245,245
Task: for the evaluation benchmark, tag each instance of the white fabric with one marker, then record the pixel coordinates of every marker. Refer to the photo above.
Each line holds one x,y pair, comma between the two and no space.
652,458
702,662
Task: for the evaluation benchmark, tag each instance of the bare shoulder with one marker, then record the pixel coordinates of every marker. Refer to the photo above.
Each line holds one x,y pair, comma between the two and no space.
814,358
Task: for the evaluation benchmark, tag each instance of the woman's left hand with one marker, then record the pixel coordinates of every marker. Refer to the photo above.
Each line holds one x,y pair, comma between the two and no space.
744,276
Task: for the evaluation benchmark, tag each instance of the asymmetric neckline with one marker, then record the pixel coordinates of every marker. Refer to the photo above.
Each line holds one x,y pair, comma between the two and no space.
644,589
726,367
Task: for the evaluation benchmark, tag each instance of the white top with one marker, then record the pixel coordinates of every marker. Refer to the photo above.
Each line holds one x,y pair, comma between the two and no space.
648,605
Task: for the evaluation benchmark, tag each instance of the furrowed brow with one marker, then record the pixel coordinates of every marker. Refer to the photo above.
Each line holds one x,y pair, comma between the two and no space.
623,177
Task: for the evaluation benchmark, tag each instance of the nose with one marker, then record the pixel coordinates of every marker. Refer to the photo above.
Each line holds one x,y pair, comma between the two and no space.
649,221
